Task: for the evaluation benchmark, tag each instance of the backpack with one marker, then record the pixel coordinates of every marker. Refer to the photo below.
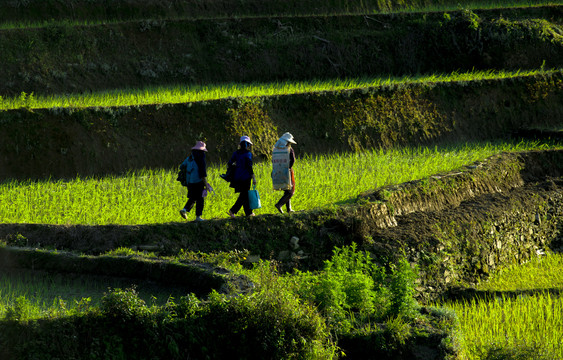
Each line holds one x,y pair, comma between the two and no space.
186,168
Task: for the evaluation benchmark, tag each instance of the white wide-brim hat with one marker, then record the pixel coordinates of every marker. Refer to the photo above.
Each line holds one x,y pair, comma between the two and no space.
288,137
245,138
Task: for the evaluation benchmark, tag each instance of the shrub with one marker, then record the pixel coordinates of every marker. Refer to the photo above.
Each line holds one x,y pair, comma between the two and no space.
402,289
19,310
123,305
351,290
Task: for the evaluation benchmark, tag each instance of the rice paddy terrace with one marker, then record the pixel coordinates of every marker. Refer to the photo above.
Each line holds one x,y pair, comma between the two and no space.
428,134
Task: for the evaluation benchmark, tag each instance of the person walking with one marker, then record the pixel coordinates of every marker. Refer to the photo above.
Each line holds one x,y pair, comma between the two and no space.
242,176
196,179
283,177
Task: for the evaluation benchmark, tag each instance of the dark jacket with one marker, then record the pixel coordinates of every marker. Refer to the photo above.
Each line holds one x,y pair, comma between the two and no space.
243,170
199,158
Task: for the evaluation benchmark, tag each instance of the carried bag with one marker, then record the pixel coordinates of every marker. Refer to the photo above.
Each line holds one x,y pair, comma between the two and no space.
254,198
182,175
281,174
229,175
188,172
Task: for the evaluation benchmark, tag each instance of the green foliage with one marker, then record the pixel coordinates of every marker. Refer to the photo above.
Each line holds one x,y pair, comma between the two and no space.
511,326
514,328
124,251
249,118
402,287
218,258
250,97
402,117
538,273
269,323
19,310
351,290
123,305
471,19
397,330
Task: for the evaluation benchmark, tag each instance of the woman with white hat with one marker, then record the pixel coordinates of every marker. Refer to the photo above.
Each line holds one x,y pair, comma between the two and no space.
283,177
196,179
243,174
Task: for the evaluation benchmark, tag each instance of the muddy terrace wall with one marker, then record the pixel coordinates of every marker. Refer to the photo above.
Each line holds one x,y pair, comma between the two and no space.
455,226
66,142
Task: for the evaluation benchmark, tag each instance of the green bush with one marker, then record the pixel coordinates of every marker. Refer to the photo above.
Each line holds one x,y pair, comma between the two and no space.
123,304
403,276
352,290
19,310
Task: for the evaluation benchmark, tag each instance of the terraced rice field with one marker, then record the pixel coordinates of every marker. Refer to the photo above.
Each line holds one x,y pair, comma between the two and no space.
521,317
193,93
155,197
57,67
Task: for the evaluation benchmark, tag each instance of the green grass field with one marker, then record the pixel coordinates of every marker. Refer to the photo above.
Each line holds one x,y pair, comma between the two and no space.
521,327
154,196
192,93
34,294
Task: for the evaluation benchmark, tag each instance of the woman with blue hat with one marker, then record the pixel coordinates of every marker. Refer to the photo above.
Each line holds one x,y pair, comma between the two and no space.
242,176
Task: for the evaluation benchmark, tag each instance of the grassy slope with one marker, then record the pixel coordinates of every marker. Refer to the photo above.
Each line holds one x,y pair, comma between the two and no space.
156,137
322,181
179,94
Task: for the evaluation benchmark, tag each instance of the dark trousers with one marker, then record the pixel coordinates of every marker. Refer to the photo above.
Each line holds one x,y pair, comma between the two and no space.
286,200
287,195
241,187
242,201
194,198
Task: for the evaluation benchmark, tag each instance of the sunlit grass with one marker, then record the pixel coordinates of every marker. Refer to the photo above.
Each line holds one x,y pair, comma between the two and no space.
193,93
154,196
538,274
534,322
528,325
